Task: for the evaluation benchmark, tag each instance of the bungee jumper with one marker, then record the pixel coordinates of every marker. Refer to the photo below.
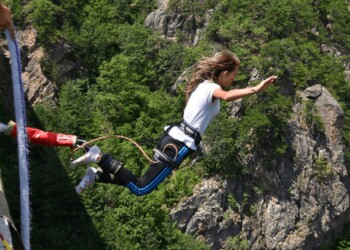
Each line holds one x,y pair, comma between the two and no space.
206,88
210,77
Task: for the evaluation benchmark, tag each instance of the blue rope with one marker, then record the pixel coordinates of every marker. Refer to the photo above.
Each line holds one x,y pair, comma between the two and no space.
22,141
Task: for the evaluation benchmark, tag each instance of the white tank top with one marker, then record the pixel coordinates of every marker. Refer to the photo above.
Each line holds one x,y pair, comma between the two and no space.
199,112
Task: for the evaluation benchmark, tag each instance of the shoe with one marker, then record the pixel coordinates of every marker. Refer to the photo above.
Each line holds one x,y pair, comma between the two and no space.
3,128
91,156
10,127
88,179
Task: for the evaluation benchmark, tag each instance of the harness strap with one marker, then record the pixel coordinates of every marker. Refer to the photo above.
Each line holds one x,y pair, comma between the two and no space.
160,156
190,131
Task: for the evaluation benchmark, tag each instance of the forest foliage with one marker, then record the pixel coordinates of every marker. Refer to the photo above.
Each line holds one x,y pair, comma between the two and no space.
125,89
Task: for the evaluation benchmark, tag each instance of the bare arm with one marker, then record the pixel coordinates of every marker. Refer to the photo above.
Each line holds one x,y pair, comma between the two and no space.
235,94
6,21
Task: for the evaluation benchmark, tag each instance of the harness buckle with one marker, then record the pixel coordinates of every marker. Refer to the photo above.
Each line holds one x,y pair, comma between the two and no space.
190,131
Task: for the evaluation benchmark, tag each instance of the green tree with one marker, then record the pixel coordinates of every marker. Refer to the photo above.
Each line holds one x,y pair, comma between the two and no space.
286,17
336,15
75,110
43,14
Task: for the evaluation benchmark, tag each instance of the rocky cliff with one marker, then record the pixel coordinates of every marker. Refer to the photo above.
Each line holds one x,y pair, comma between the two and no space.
58,62
168,23
37,87
299,202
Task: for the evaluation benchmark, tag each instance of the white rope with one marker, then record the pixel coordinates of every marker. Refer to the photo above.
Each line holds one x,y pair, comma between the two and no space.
22,141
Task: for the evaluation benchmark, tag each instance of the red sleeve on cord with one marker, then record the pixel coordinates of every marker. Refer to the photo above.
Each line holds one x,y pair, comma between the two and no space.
41,137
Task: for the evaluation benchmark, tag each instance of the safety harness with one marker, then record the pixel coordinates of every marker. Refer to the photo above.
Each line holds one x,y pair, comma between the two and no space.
188,130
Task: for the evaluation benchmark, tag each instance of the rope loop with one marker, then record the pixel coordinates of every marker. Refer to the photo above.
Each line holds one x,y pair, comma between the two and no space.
120,137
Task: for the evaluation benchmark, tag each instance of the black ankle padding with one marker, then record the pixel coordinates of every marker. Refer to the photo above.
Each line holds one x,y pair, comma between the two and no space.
109,164
107,178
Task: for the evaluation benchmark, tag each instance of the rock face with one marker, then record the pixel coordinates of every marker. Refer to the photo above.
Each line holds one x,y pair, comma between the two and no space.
168,23
36,86
59,61
301,201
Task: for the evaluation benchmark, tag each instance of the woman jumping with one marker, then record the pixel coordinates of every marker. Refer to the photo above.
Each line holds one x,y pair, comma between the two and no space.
206,88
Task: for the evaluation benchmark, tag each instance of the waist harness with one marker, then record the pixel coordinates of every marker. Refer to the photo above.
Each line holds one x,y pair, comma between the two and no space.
188,130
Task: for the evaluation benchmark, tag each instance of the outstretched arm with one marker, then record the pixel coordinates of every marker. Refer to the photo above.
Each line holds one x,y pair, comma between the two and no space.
235,94
6,20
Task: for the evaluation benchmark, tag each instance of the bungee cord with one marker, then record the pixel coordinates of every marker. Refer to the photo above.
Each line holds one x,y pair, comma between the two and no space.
82,146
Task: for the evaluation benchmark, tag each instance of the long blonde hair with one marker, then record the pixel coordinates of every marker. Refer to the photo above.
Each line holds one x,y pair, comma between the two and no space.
209,68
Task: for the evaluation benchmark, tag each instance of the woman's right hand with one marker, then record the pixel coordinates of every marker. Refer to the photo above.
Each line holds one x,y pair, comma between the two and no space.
265,83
